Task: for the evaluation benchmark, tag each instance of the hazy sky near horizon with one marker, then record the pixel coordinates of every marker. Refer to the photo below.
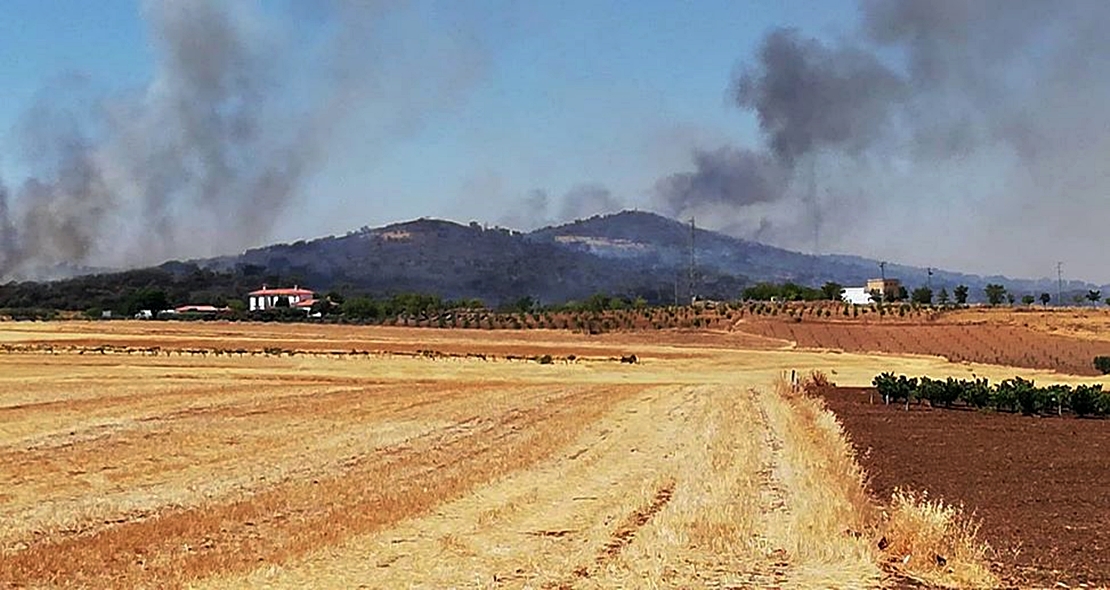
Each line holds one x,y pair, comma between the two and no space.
297,119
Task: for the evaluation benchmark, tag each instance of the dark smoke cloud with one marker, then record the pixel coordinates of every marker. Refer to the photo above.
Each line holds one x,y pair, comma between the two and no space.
725,176
239,113
810,96
963,121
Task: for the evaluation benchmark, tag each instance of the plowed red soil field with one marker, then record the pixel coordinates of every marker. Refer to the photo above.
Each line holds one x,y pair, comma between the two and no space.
1040,486
979,343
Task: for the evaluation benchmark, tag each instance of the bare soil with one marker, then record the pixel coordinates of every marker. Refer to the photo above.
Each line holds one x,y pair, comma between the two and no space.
1040,486
989,343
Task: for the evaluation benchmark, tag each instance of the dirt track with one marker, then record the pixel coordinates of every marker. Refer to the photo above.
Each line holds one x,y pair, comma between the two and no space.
1040,485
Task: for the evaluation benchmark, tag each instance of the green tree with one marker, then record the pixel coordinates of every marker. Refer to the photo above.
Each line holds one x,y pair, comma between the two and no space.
831,291
1045,298
1028,299
150,299
995,293
362,308
525,304
942,297
923,295
1094,295
876,296
237,305
960,293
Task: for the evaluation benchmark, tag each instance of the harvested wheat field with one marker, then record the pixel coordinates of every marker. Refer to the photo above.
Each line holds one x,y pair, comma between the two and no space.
235,456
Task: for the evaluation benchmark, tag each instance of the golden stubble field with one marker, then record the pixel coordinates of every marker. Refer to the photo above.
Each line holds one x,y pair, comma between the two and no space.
696,467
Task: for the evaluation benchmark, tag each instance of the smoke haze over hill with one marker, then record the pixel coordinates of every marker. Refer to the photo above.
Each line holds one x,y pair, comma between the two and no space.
966,135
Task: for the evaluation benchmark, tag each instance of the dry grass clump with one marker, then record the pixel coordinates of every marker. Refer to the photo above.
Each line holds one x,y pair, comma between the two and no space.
920,538
936,543
815,381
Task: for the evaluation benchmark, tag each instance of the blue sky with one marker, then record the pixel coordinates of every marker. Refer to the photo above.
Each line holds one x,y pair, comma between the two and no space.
563,94
985,142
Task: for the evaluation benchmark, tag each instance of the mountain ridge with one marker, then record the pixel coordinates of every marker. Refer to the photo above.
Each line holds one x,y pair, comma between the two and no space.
631,253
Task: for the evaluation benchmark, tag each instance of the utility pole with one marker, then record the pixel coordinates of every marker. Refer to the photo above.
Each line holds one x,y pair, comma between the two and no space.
693,263
815,211
1059,283
929,281
882,270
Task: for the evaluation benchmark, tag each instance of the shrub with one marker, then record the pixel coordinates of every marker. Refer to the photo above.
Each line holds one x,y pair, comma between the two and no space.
931,391
1102,363
1084,399
1102,408
949,392
976,394
893,388
1057,397
1028,397
1005,396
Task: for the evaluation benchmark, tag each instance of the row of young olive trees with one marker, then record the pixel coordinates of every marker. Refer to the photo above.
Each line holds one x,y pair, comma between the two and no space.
1011,395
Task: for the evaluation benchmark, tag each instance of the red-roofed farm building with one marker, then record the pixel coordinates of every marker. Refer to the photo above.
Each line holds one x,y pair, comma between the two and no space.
266,298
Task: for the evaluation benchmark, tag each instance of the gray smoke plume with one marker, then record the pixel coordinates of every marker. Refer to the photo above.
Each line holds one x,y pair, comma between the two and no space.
947,122
725,176
199,157
809,96
7,231
586,200
580,202
203,160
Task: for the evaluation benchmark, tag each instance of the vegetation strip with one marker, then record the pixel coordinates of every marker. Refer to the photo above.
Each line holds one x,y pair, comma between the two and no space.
1009,395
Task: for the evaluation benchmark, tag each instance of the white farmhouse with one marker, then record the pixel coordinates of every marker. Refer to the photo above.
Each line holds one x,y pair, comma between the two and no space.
266,298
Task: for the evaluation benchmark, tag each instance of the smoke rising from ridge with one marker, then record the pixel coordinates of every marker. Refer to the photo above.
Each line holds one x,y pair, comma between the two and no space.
580,202
240,112
963,121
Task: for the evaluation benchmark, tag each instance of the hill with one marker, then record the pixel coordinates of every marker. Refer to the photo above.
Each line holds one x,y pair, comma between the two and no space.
653,241
631,253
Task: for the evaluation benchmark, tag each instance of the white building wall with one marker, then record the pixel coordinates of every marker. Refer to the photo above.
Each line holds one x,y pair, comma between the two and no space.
856,296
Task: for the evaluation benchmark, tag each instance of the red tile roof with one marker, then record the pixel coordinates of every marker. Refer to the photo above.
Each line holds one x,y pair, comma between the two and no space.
293,291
